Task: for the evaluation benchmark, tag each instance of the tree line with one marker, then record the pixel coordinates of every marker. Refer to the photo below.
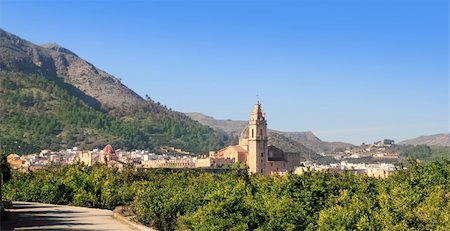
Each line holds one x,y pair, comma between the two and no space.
416,198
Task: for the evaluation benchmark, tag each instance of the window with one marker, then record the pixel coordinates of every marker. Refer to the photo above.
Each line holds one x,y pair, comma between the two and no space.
253,135
260,132
261,171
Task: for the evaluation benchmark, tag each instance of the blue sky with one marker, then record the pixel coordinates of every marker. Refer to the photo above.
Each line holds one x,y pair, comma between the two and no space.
354,71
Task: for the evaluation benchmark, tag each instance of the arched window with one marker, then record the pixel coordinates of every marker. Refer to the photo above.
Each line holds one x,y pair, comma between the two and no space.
260,132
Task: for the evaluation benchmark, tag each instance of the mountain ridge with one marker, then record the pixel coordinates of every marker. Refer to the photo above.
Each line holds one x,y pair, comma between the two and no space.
442,139
53,60
37,81
235,127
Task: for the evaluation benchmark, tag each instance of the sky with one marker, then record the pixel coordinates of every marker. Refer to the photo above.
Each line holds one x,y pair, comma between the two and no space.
352,71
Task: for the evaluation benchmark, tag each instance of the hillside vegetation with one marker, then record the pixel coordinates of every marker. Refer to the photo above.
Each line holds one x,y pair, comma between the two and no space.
416,198
52,98
424,152
40,113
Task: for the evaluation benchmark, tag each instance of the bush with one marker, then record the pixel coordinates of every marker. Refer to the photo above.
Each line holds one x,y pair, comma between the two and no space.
416,198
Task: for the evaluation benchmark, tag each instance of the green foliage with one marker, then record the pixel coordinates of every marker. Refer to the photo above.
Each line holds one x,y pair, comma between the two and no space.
439,153
413,199
40,113
416,198
417,152
5,169
425,152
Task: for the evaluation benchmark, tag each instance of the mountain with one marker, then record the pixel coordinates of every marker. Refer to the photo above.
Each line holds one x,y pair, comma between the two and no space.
431,140
291,145
52,98
294,148
97,87
231,127
235,127
313,142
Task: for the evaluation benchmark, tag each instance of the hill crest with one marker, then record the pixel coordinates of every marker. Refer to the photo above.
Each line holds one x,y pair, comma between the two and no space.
442,139
53,60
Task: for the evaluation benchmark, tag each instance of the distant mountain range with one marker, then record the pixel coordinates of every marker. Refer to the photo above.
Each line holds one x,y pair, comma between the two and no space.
288,139
431,140
52,98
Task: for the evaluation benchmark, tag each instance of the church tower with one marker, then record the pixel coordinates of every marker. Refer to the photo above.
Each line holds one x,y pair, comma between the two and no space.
257,141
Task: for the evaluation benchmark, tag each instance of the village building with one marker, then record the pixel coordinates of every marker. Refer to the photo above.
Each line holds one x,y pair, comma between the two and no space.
86,158
380,170
15,161
108,154
253,150
168,163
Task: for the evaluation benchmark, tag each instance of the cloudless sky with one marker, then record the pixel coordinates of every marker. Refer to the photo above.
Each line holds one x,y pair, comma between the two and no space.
353,71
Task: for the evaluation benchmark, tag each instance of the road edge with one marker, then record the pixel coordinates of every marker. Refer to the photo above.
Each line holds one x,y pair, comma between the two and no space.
135,225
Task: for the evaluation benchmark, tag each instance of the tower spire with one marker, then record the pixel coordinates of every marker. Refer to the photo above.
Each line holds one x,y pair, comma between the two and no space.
257,113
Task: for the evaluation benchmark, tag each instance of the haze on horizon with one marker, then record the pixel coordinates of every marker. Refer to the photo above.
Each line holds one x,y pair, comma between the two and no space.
352,71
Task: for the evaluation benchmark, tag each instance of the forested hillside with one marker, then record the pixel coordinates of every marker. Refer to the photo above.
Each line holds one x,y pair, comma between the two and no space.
416,198
41,113
52,98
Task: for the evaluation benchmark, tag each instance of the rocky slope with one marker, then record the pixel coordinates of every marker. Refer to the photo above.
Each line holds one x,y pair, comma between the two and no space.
431,140
54,61
50,97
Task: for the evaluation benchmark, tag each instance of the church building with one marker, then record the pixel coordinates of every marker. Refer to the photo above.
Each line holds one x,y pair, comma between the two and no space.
253,149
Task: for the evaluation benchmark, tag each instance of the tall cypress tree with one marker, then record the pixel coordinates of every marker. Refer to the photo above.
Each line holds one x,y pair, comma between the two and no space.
5,169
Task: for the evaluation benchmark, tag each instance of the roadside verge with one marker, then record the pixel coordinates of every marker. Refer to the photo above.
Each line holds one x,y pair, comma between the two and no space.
133,224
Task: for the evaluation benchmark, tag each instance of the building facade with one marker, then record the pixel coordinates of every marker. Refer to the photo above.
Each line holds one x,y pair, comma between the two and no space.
252,150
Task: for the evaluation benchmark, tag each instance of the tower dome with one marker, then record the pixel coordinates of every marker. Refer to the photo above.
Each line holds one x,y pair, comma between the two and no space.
244,133
108,149
243,139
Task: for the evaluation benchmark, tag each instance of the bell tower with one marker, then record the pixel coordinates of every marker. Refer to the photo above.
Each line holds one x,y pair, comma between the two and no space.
257,141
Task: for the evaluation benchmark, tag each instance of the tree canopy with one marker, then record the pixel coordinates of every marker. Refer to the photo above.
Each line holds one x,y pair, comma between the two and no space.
416,198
